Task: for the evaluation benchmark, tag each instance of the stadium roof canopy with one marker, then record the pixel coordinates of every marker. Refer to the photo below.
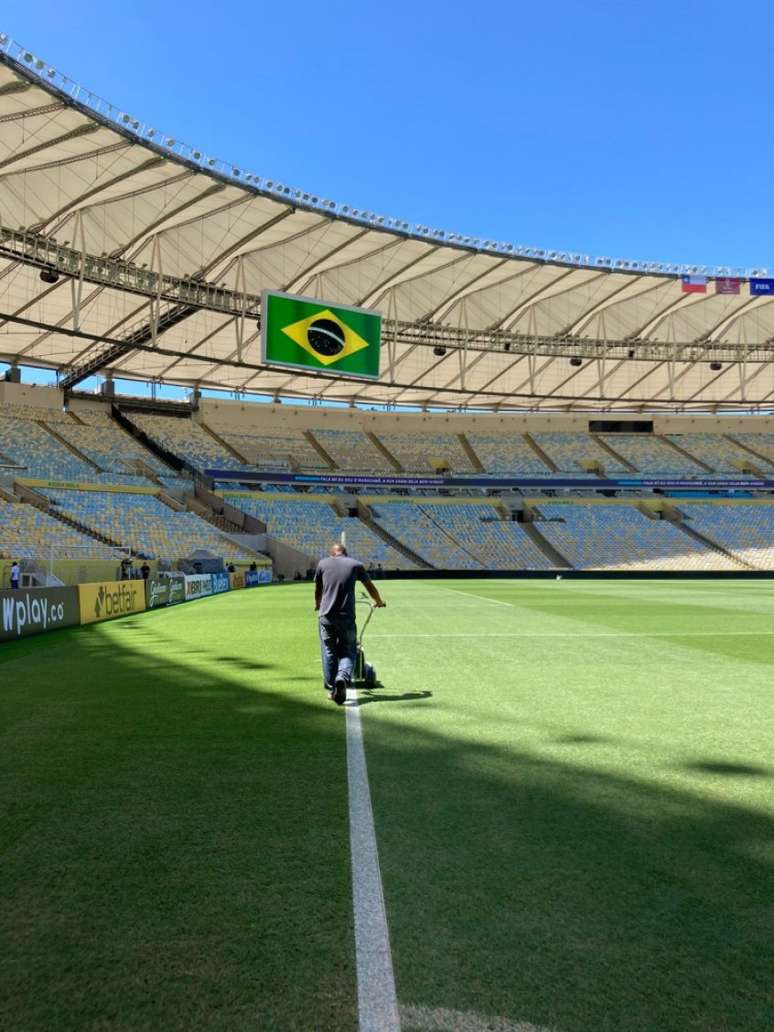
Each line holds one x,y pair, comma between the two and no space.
125,252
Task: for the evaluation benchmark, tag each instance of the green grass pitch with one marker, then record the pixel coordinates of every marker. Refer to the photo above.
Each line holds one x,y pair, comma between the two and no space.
573,791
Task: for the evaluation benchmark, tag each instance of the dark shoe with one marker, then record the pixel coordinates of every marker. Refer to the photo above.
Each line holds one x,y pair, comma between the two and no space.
340,691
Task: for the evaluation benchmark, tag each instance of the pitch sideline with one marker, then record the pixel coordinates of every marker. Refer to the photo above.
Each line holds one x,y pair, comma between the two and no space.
376,997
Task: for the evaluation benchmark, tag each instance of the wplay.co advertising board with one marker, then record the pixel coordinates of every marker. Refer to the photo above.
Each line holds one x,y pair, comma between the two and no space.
109,599
36,610
198,585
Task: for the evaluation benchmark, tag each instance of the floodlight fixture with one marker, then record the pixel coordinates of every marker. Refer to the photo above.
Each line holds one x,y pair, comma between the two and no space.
715,366
576,361
49,275
439,351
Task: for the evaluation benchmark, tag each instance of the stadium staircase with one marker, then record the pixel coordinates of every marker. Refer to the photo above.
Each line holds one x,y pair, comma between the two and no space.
685,454
428,511
321,451
70,447
383,450
467,447
175,462
613,453
142,469
31,497
229,448
551,553
540,453
367,520
758,470
679,520
198,508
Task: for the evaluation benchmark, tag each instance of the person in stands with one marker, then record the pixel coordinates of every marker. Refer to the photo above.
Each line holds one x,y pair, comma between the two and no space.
15,575
145,570
334,600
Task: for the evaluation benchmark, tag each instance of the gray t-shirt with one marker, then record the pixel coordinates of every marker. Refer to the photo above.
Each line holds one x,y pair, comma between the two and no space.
337,575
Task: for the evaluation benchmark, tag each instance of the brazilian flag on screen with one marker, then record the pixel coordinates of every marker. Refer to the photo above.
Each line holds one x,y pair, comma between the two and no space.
304,334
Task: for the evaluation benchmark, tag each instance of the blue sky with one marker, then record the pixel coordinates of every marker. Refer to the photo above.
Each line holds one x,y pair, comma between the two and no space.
625,129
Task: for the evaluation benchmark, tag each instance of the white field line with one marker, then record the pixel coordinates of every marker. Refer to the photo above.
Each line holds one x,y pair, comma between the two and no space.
568,634
439,1019
377,1000
470,594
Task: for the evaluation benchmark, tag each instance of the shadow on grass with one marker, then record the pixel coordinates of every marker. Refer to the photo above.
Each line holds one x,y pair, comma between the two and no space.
163,818
731,770
583,739
568,897
175,832
375,694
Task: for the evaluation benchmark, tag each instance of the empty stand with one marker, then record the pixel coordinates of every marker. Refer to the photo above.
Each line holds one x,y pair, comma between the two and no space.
506,454
620,537
408,523
495,543
145,524
28,533
110,447
649,453
186,439
353,450
744,529
570,451
281,450
760,445
311,525
418,453
29,444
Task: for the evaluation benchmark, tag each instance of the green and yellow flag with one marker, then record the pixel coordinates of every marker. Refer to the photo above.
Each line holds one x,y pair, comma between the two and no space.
301,333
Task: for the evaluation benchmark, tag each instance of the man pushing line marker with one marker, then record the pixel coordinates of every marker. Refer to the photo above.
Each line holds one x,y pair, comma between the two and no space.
334,600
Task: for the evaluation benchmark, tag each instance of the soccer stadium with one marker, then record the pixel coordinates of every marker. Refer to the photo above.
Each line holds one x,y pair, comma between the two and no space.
546,804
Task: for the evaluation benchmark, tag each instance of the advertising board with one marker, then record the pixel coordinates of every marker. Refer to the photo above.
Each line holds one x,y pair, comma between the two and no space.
35,610
198,585
109,599
220,582
156,593
237,580
255,577
176,589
